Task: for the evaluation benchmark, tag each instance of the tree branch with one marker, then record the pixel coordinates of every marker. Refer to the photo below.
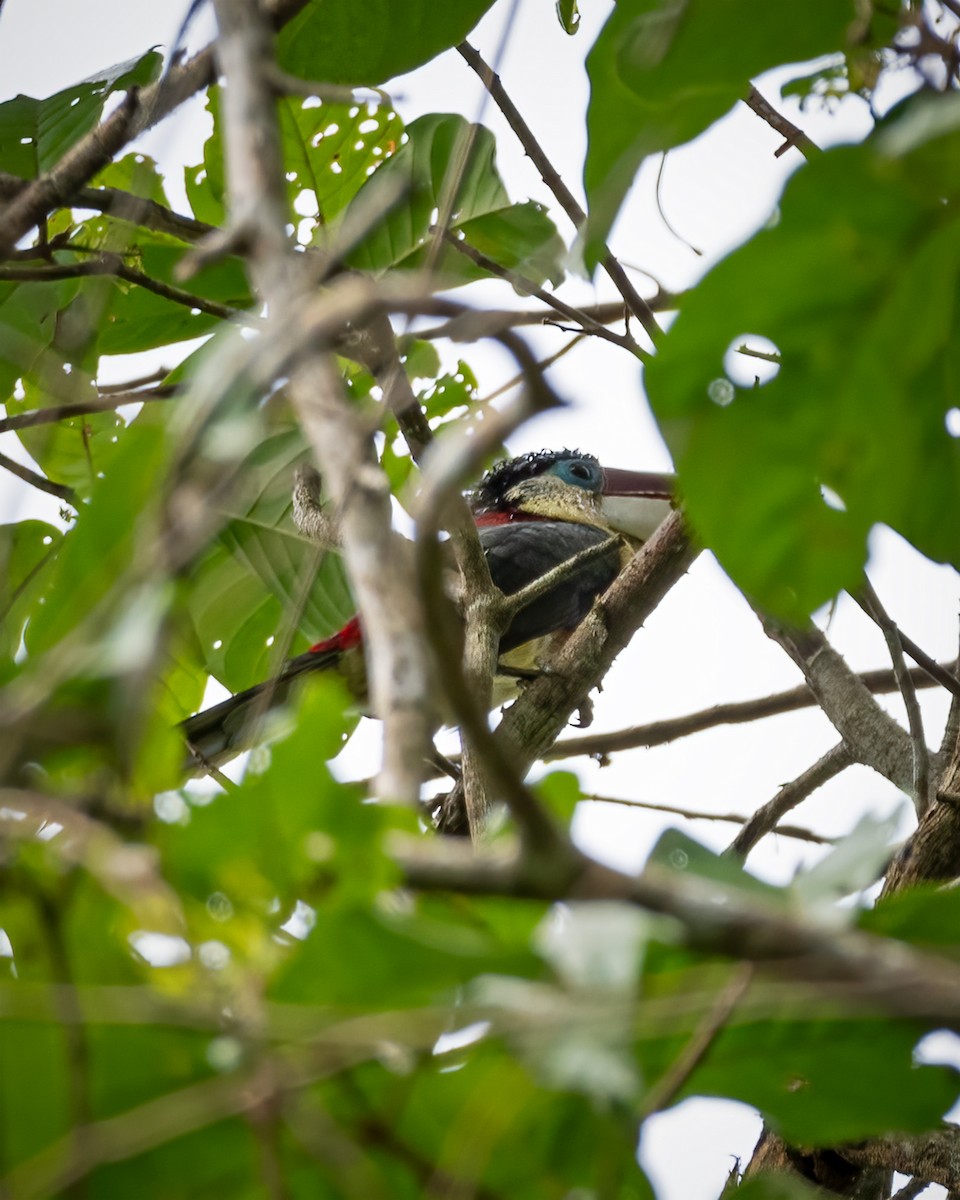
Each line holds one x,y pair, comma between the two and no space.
777,121
551,177
113,265
61,490
765,819
378,563
871,735
658,733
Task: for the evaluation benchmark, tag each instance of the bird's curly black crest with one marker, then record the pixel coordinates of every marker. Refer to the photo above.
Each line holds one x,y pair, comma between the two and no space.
490,492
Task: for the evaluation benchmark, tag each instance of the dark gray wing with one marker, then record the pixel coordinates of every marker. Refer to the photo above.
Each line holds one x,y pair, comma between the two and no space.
521,551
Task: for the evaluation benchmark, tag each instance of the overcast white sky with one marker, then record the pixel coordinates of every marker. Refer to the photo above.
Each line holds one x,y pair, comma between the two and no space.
704,646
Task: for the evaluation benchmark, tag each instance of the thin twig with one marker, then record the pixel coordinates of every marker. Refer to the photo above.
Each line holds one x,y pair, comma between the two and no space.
132,385
551,177
532,592
659,733
61,490
668,1086
523,284
64,412
690,814
113,265
793,134
126,206
765,819
869,601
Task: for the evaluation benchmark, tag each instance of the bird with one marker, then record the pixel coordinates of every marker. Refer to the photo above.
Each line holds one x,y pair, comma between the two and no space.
532,513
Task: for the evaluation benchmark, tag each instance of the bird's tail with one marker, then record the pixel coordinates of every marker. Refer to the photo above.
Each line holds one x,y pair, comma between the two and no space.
218,734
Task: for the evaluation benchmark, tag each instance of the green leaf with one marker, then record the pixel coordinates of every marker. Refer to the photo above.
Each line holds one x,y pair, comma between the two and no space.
844,411
35,134
853,864
662,71
339,41
413,186
568,14
135,173
26,552
329,150
29,313
678,852
489,1121
101,547
139,319
925,916
277,846
262,578
75,451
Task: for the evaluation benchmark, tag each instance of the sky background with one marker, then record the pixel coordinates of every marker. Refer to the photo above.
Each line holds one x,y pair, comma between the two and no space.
703,646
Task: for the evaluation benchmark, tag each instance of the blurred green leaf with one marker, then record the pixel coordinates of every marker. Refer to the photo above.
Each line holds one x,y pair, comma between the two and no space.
106,539
338,42
275,847
843,411
412,187
28,324
662,71
679,853
328,152
262,582
568,14
35,134
854,863
26,553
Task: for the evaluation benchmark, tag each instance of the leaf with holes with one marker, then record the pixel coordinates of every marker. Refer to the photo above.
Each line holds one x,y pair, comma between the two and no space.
35,134
329,150
262,583
411,190
862,401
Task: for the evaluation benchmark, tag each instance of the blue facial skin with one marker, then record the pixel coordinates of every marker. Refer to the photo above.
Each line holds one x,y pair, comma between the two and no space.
579,472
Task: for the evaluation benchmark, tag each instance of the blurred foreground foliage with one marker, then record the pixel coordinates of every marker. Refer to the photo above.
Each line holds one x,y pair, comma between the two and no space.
229,991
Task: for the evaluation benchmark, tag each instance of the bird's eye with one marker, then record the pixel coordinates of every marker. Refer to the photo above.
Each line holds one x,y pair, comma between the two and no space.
581,473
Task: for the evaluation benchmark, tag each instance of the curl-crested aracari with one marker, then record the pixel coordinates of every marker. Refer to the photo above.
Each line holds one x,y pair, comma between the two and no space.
532,514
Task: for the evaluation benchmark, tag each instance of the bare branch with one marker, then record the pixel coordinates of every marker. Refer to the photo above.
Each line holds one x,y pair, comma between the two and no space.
115,202
765,819
61,490
64,412
693,814
658,733
113,265
595,328
871,735
309,514
376,558
551,177
869,601
777,121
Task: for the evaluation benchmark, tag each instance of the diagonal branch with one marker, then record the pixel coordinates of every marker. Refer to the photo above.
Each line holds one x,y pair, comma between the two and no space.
871,736
113,265
869,601
658,733
376,558
765,819
551,177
